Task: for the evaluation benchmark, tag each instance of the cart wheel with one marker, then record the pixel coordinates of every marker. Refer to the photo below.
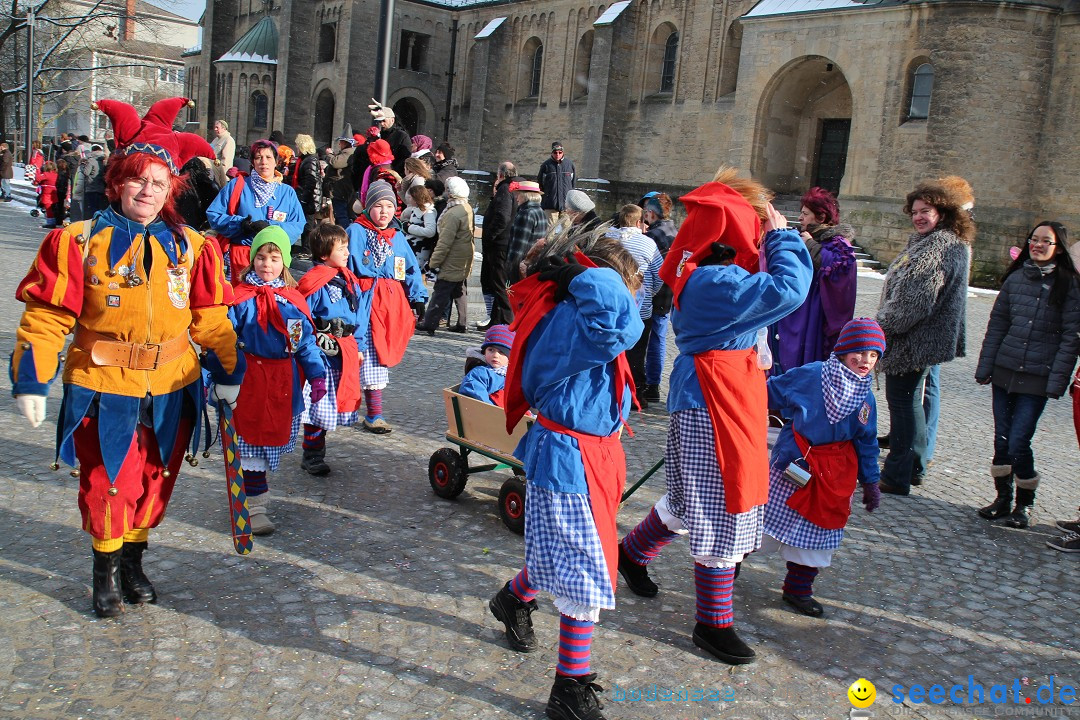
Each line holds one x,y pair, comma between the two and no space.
512,505
447,473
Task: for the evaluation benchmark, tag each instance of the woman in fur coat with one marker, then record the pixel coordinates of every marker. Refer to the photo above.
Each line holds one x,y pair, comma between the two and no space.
922,311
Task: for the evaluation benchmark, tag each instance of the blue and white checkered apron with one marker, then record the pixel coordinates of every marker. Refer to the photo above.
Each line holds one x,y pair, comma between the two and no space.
788,526
373,376
696,490
272,454
562,548
324,413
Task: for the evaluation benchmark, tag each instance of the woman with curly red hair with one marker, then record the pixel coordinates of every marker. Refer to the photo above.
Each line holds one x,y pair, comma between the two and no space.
136,287
809,334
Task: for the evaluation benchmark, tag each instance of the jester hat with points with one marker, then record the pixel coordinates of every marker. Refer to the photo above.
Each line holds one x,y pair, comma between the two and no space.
153,134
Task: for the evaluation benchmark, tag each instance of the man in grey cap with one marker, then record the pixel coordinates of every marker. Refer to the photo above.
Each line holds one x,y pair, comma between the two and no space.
556,178
395,135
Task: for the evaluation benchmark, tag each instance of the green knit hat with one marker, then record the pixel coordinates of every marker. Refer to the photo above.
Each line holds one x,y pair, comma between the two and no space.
275,235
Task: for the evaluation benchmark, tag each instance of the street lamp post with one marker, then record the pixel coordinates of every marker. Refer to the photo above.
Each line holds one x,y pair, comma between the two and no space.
28,127
386,24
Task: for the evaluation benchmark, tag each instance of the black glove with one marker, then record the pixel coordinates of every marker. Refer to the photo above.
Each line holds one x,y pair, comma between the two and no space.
418,307
322,325
340,328
251,228
562,272
721,255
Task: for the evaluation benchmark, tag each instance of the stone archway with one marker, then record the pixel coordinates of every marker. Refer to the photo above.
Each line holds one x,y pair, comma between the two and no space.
414,111
800,136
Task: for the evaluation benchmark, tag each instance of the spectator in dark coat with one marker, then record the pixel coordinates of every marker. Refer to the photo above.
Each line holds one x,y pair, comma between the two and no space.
308,188
445,166
495,237
398,137
1028,356
530,226
202,187
556,178
7,172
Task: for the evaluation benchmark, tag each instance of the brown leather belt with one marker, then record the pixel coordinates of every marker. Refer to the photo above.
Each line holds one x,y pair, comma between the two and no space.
110,352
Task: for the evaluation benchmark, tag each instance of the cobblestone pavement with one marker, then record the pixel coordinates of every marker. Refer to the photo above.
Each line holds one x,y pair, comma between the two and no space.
370,601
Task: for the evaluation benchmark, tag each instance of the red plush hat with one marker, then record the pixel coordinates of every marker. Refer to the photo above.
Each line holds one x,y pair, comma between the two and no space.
379,153
714,213
153,133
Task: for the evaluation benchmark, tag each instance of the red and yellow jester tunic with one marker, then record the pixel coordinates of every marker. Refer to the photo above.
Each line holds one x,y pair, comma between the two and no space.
135,298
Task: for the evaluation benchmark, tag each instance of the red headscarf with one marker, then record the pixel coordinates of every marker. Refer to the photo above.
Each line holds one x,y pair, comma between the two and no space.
715,213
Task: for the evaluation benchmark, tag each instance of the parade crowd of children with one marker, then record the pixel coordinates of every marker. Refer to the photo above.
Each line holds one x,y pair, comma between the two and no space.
304,359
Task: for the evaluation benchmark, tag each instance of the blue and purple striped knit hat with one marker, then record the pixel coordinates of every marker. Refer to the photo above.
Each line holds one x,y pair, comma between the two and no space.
499,336
860,334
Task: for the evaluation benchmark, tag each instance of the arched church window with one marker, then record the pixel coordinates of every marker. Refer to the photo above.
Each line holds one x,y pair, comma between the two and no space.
922,86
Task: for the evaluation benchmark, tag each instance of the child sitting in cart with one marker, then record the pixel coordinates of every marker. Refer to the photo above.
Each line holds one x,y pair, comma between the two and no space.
485,374
833,433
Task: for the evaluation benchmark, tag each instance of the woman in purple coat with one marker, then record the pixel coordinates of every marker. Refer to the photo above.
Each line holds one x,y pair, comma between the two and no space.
808,334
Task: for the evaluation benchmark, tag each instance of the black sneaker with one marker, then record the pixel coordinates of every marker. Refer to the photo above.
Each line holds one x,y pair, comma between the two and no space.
574,698
636,576
1069,526
806,605
517,617
1069,543
723,643
652,393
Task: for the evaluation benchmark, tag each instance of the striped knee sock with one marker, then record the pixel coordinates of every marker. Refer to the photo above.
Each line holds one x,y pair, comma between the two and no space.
255,482
373,398
314,437
714,595
575,647
644,542
521,588
800,580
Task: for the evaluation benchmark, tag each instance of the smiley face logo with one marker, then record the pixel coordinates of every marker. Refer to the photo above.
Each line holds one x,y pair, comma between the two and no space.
862,693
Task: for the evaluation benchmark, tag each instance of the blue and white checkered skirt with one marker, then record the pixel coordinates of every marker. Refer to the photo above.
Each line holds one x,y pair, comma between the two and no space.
373,376
562,548
271,453
788,526
324,413
696,490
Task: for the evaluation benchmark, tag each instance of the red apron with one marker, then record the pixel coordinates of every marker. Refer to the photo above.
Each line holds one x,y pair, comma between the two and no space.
834,472
735,396
349,394
263,411
605,472
392,321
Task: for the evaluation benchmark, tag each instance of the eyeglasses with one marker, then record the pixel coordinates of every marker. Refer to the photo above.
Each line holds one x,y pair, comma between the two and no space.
156,186
1041,241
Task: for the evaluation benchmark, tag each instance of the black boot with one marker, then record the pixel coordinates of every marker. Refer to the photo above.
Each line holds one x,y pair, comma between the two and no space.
652,393
724,643
1021,514
516,615
636,576
1003,481
574,698
314,462
107,599
136,586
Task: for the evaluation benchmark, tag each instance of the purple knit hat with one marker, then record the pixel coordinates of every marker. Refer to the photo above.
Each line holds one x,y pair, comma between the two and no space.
499,336
860,334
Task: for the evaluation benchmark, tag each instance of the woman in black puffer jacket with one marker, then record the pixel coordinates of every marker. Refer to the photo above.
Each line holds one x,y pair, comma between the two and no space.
1028,355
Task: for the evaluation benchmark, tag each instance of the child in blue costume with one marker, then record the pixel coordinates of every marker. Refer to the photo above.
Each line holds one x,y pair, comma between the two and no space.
573,325
264,199
486,376
717,455
391,288
333,295
276,333
833,433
